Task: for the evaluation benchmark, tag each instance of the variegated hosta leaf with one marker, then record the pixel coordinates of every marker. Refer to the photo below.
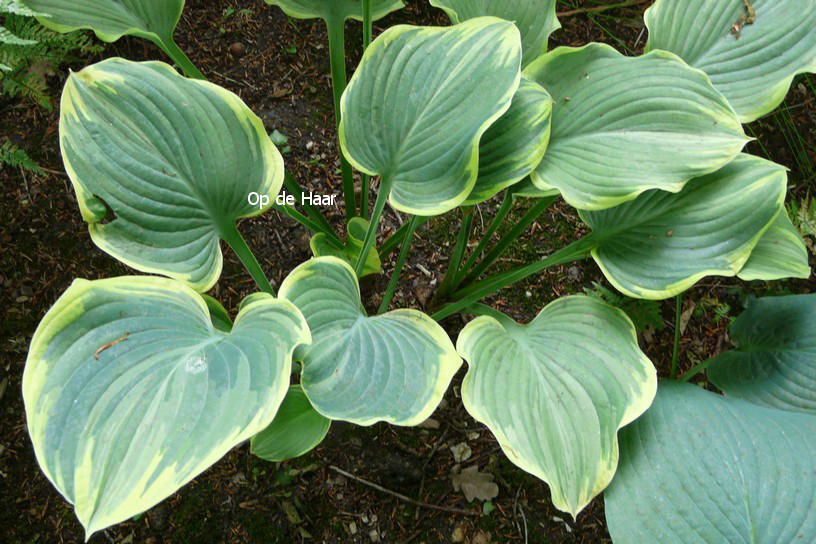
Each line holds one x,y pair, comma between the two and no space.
526,188
535,19
417,106
350,252
775,360
175,159
393,367
661,243
130,391
154,20
556,391
335,10
297,429
781,253
698,467
751,64
515,144
623,125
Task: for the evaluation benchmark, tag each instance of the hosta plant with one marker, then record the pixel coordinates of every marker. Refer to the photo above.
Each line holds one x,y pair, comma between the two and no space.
135,385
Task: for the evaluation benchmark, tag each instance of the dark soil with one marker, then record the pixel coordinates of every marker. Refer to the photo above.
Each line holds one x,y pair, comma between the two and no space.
283,77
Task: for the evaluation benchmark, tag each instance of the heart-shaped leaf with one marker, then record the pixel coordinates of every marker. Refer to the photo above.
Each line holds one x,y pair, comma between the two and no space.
698,467
174,160
417,106
515,144
661,243
350,252
751,60
393,367
781,253
154,20
534,18
556,391
130,391
624,125
297,429
775,360
335,10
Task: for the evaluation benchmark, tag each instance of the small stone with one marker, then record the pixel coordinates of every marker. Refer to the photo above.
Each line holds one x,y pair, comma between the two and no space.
353,528
480,538
374,535
429,423
237,49
528,294
461,452
458,534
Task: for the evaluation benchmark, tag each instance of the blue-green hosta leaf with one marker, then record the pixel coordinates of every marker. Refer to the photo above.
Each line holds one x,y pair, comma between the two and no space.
335,10
534,18
662,243
417,106
775,360
393,367
624,125
751,64
350,252
698,467
154,20
556,391
515,144
175,159
781,253
297,429
130,391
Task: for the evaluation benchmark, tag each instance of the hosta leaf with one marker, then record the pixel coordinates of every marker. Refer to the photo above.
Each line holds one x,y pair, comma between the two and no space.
419,103
781,253
624,125
335,10
526,188
297,429
154,20
775,360
661,243
393,367
535,19
173,158
556,391
515,144
350,252
130,391
751,64
698,467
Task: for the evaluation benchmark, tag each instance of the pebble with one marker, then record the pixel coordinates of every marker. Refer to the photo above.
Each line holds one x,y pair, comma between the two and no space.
237,49
458,535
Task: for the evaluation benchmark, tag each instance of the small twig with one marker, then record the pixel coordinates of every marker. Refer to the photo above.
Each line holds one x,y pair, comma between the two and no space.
403,497
597,9
109,345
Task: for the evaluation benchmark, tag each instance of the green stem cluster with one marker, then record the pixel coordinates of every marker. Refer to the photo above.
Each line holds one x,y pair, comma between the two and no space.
337,55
